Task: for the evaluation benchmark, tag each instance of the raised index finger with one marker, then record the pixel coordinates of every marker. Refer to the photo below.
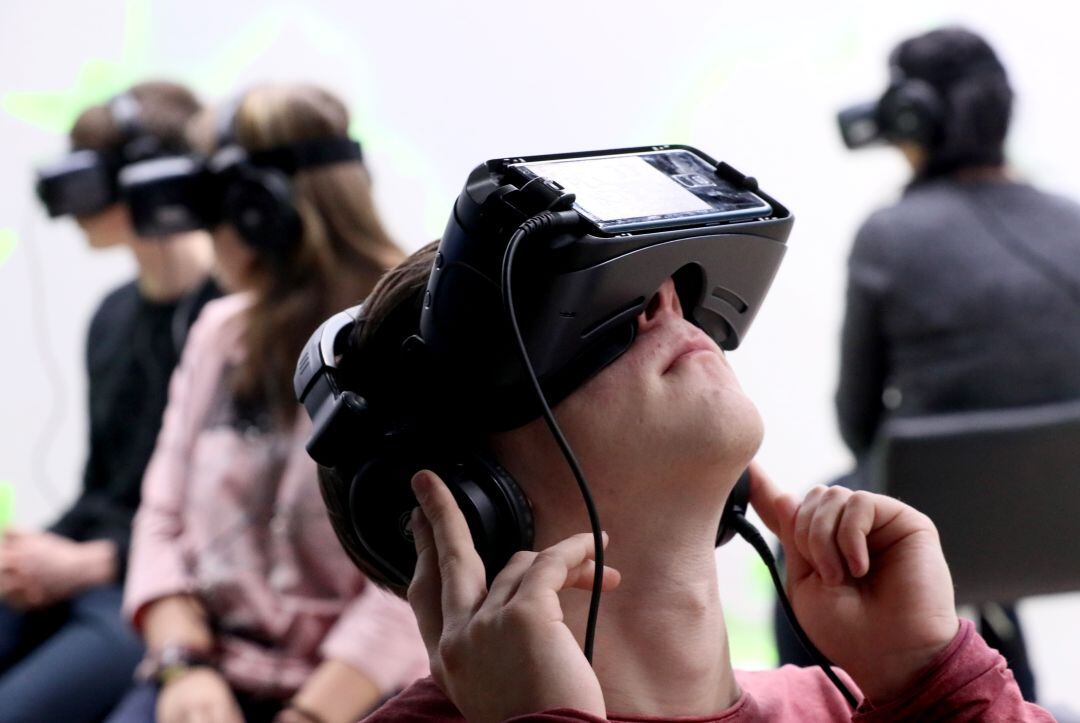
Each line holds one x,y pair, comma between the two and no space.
774,506
460,567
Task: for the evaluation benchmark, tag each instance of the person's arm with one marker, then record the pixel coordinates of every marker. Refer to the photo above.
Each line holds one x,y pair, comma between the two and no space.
43,568
868,581
176,620
96,519
156,568
89,510
863,370
863,349
335,693
968,681
373,650
159,595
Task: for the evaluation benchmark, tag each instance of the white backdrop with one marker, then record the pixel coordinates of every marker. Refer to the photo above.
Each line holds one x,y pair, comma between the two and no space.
437,87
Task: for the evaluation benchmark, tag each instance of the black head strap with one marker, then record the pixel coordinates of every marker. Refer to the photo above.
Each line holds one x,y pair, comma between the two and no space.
136,144
226,121
308,154
125,110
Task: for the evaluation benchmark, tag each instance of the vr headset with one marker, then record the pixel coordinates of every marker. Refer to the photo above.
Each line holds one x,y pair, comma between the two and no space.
84,182
596,235
250,190
910,109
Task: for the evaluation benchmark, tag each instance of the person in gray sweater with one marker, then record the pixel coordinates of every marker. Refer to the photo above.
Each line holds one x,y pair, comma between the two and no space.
965,293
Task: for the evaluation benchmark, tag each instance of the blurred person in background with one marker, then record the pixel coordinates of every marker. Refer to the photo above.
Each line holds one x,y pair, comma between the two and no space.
249,607
60,589
965,293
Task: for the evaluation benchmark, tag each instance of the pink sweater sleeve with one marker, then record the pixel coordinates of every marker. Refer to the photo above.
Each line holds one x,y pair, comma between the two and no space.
378,636
968,681
155,566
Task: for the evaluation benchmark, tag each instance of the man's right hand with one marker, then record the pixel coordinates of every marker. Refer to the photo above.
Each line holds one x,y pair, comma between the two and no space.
199,694
511,638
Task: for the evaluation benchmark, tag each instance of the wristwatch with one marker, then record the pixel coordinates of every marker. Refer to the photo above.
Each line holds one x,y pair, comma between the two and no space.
171,661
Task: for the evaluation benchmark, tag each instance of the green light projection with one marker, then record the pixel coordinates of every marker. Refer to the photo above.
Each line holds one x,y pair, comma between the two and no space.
8,241
7,505
97,79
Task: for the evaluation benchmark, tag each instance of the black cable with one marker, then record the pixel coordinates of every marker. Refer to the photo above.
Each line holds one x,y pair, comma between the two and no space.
749,533
548,220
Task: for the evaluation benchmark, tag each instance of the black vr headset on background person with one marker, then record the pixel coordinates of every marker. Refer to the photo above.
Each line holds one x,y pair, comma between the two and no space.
250,190
911,109
544,266
85,182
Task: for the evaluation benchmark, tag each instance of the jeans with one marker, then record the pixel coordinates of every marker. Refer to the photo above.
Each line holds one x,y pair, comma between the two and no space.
68,662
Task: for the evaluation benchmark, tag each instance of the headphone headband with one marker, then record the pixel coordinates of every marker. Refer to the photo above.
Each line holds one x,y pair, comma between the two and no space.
295,157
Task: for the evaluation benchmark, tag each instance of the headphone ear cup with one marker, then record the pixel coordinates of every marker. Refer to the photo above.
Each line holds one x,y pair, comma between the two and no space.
381,502
738,503
913,110
514,528
258,202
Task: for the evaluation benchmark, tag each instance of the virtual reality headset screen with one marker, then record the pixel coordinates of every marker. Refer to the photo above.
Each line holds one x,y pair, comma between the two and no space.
646,190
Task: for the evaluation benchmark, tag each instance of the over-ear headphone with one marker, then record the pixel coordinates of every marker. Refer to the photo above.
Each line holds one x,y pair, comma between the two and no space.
257,187
911,110
375,447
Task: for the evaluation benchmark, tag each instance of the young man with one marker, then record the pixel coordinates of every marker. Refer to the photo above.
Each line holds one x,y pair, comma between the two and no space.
965,293
60,589
663,433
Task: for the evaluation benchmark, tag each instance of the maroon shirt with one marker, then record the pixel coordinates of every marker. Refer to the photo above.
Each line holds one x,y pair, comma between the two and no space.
968,681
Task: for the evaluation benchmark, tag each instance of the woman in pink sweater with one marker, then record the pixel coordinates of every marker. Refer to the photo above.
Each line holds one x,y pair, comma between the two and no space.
248,605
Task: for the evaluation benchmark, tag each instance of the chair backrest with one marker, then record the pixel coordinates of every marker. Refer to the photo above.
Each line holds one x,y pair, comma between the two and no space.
1003,488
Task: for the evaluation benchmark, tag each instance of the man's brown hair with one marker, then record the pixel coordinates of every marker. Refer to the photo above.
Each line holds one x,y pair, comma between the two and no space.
399,289
164,109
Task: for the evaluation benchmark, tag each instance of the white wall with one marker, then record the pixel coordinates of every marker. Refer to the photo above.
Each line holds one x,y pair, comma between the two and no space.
437,87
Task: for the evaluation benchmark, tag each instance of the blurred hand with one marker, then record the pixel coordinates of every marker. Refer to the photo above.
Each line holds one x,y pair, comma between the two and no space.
42,568
867,579
511,638
200,694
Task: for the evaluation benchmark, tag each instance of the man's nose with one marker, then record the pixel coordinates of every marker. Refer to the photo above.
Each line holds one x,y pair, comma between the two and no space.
663,304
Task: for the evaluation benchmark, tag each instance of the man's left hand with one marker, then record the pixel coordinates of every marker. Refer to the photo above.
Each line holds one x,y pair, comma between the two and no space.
867,579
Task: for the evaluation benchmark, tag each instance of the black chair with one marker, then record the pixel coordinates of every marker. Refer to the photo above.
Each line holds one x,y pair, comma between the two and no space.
1003,488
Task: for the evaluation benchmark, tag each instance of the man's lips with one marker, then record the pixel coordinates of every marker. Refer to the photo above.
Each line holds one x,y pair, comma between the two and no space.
691,345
